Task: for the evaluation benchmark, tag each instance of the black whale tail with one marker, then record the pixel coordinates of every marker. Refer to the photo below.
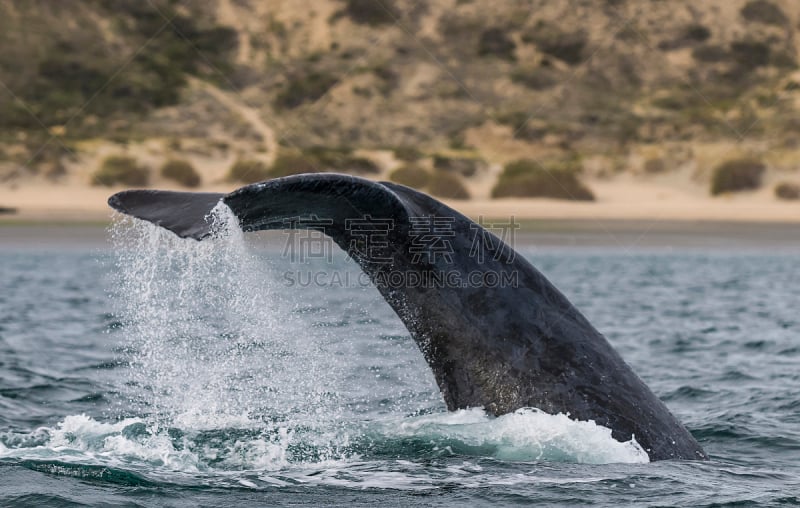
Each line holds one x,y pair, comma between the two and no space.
497,346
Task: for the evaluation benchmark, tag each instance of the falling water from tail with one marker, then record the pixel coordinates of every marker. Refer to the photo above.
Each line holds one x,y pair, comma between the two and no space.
211,342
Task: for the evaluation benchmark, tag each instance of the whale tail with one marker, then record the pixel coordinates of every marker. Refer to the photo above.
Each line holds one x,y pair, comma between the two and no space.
503,340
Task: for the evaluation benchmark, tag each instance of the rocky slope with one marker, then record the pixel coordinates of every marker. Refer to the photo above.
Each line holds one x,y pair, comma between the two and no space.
643,86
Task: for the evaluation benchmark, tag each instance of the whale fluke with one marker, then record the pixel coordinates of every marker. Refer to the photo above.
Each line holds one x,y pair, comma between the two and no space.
495,332
183,213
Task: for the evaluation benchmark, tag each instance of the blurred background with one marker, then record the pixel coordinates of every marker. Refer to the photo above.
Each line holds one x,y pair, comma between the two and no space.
618,109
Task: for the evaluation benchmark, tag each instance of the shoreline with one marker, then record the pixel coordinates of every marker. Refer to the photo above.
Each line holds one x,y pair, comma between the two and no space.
626,197
84,204
628,212
620,234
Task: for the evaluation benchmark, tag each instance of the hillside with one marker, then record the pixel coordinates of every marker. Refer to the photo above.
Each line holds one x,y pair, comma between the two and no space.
660,90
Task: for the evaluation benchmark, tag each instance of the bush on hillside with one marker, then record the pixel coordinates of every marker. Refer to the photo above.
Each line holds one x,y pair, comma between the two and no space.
303,88
340,159
318,159
710,53
522,126
360,166
448,186
120,169
762,11
692,34
411,176
407,153
248,171
737,175
370,12
293,163
527,178
181,171
540,78
566,46
465,166
751,54
495,42
787,191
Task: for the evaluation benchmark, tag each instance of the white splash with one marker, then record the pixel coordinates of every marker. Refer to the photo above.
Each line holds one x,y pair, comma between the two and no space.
272,453
524,435
211,344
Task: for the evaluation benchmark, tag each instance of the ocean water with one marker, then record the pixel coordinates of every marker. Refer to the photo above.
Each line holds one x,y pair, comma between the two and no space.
146,370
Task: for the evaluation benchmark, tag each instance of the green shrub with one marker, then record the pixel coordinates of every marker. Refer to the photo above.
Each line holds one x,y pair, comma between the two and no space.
674,102
521,125
340,159
697,32
448,186
787,191
303,88
527,178
784,59
456,27
541,78
710,53
293,163
690,35
318,159
360,165
388,78
457,139
407,153
750,54
120,169
566,46
762,11
495,42
181,171
371,12
466,166
737,175
411,176
248,171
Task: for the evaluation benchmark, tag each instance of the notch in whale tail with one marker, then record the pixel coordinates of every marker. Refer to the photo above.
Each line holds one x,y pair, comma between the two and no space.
497,347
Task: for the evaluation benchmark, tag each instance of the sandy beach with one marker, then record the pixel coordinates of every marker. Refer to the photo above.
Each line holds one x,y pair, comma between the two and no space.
626,197
628,213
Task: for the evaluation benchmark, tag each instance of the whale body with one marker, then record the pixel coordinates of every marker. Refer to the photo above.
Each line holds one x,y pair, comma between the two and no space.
494,331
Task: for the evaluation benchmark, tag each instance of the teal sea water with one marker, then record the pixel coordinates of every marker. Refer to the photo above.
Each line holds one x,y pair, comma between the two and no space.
151,371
